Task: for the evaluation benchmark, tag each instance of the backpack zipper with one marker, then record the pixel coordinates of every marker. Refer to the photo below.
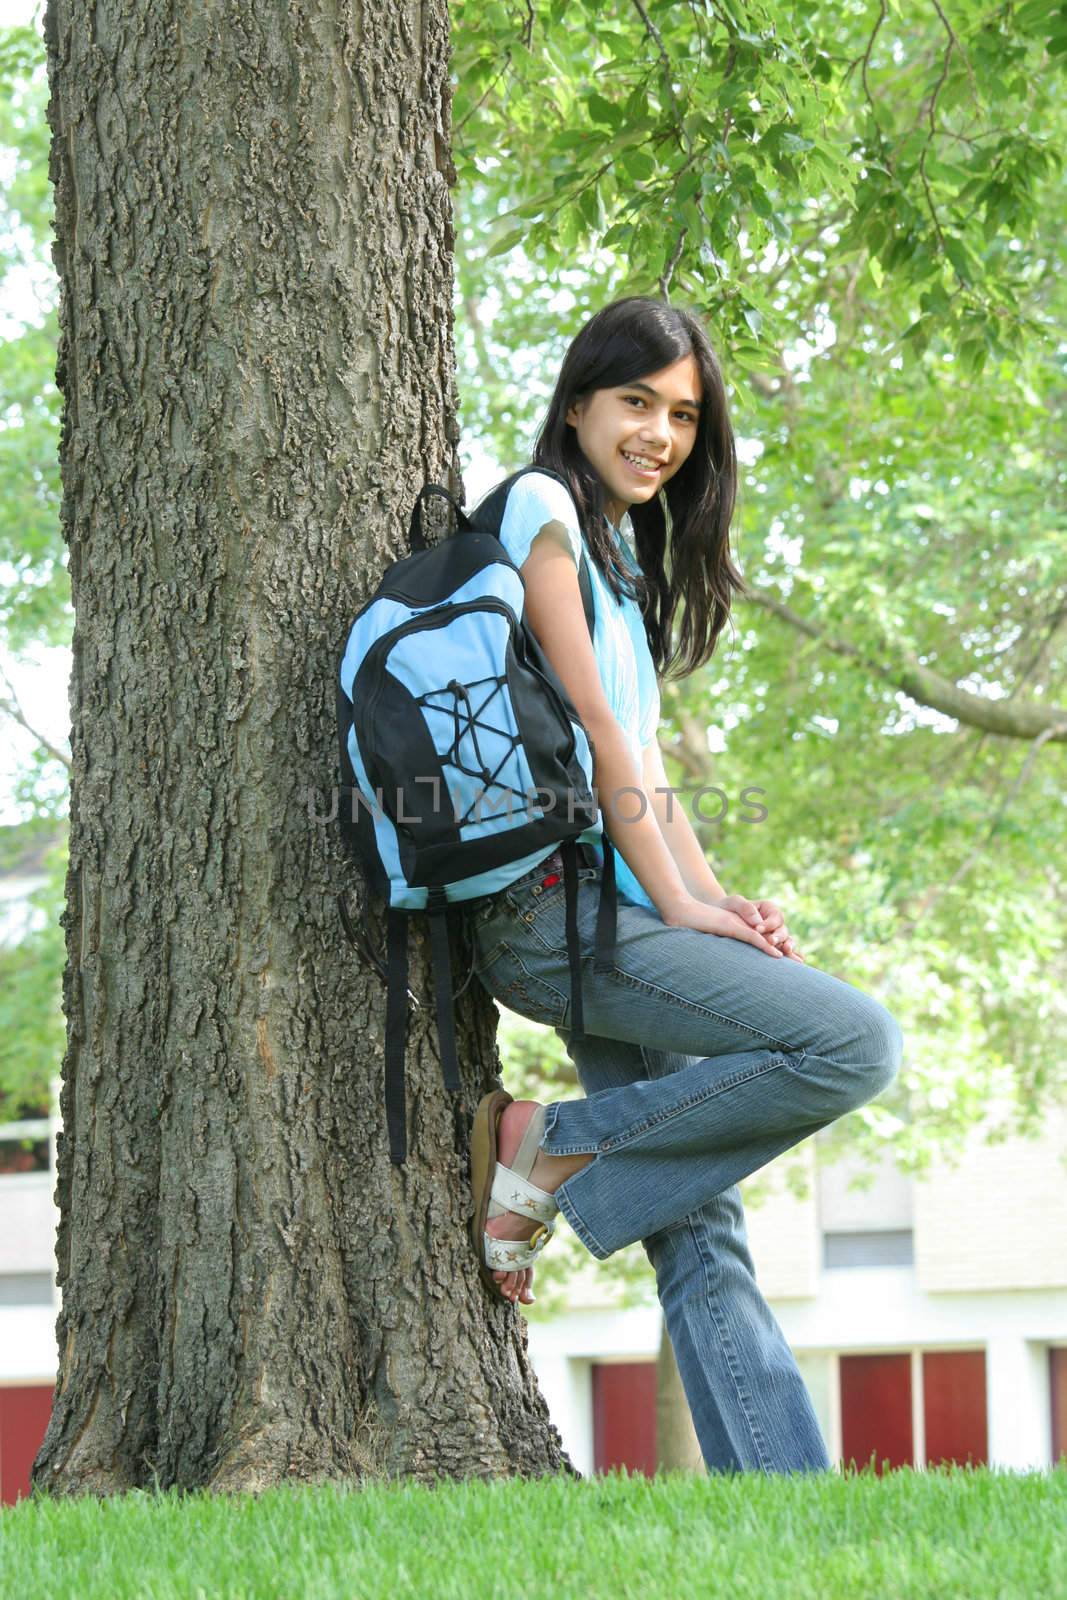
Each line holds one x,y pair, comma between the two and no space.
385,593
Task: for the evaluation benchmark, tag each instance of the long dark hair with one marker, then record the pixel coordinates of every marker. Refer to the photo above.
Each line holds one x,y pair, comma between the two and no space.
626,340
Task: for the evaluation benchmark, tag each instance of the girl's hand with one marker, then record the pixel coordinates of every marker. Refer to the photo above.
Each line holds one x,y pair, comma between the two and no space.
733,917
766,918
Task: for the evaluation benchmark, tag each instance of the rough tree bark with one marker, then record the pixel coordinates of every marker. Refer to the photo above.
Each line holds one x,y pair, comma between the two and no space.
254,241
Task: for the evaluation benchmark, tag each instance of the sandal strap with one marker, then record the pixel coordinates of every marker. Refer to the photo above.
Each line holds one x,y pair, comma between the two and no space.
508,1255
518,1194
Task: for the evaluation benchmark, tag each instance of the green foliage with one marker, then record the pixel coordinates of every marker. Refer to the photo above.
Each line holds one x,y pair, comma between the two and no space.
35,595
681,146
882,274
31,1018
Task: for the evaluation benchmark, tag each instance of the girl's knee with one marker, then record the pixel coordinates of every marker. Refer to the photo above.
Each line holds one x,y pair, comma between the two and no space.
861,1058
868,1060
888,1043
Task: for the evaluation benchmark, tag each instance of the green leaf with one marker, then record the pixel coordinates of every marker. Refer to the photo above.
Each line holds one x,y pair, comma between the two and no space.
637,164
507,242
972,355
963,262
603,111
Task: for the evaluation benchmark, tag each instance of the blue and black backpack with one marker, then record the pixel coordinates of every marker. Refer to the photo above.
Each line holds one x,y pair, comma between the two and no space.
461,754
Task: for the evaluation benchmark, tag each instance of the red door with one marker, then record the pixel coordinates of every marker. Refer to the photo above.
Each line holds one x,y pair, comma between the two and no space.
24,1414
954,1407
876,1411
624,1416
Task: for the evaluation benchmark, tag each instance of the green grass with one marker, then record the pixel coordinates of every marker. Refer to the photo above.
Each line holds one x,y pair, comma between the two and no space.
750,1537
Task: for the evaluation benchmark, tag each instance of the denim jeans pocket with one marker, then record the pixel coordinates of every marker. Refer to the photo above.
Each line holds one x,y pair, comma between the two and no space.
479,912
542,912
508,979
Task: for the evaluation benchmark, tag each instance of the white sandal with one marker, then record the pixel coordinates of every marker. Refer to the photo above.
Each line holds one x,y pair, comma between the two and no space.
498,1189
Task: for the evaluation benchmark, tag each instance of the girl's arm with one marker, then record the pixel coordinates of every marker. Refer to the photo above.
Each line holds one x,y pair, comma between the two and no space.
553,608
699,878
677,829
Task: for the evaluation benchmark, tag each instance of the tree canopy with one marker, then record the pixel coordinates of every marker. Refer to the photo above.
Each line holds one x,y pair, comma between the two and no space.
865,203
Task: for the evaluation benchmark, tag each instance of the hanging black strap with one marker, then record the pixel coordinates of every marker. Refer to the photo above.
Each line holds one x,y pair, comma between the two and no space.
416,531
357,937
607,912
569,852
396,1030
441,917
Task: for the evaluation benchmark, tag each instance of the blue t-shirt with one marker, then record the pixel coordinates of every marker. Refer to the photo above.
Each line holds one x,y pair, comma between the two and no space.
624,660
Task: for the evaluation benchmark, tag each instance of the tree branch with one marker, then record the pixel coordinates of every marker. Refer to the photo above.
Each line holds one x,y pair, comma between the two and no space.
1031,666
487,375
1007,718
480,102
930,899
668,272
933,128
9,704
691,750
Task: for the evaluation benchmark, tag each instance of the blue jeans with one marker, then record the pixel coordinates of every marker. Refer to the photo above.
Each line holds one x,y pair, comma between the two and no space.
703,1059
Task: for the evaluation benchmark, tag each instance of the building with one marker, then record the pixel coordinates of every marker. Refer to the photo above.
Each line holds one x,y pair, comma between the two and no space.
928,1315
28,1307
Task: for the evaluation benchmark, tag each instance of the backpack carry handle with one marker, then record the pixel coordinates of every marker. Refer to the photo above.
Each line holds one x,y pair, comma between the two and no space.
416,535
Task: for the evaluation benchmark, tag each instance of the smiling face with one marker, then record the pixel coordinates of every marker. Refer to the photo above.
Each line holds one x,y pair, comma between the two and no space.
637,436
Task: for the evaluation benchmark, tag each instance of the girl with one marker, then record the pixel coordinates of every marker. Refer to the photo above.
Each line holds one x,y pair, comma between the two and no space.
711,1046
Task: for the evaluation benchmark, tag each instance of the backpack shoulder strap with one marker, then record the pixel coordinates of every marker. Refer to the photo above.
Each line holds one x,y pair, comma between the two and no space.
607,912
489,513
569,851
396,1014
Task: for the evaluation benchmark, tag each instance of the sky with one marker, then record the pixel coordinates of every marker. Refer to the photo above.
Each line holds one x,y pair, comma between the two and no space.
16,13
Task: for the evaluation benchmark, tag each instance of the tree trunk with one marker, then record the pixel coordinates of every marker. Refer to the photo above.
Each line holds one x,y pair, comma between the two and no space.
254,243
677,1449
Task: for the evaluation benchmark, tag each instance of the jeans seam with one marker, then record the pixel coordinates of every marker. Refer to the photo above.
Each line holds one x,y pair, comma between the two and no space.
536,982
551,895
744,1399
551,947
561,1197
551,1118
668,1114
578,1223
699,1010
487,960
